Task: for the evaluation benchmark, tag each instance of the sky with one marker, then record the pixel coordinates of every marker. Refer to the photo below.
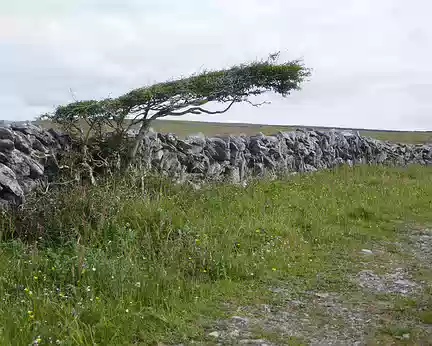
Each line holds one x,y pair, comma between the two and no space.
371,59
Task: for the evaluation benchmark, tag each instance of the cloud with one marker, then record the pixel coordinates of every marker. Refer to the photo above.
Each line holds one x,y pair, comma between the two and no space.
371,59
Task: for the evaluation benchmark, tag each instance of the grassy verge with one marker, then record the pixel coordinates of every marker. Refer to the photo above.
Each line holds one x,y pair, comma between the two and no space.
123,263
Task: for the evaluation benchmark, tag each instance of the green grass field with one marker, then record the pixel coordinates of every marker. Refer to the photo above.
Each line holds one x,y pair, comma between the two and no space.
130,264
184,128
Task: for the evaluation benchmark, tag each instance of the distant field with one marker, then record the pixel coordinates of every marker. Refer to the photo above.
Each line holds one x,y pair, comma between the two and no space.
184,128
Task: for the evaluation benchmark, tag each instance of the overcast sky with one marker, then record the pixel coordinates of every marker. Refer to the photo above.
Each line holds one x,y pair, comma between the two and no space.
371,59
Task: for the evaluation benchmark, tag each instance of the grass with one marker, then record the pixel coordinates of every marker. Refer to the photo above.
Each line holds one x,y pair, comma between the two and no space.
125,263
184,128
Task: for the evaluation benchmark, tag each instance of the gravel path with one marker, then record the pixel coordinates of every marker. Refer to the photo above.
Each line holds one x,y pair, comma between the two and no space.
331,318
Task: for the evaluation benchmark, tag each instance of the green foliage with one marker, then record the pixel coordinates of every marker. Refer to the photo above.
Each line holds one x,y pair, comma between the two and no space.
426,317
185,95
133,262
174,98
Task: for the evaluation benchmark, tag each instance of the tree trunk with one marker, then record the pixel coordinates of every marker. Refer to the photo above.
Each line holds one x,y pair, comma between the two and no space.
145,125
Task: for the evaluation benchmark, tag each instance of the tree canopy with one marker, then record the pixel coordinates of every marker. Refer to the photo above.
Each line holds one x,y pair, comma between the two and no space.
189,95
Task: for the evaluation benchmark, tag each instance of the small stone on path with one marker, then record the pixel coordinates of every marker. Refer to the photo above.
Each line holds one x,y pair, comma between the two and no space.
214,334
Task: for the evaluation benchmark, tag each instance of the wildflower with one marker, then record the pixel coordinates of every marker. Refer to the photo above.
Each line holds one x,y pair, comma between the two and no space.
97,299
26,289
137,284
127,310
112,276
94,269
274,269
88,288
37,341
35,277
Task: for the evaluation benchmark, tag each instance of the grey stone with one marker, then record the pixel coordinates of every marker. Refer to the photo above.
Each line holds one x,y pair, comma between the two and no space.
22,143
40,134
238,320
6,133
214,334
6,145
9,182
218,149
37,145
36,169
19,163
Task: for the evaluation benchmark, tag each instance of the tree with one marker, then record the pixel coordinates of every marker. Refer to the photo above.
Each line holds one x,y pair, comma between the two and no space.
190,95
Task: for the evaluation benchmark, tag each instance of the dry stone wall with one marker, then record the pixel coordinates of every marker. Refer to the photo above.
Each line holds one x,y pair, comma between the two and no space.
27,152
27,155
236,158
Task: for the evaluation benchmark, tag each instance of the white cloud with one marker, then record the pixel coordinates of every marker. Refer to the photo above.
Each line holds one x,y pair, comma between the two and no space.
371,59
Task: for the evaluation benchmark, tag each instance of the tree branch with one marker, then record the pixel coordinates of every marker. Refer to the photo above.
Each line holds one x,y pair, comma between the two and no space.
135,120
258,104
193,110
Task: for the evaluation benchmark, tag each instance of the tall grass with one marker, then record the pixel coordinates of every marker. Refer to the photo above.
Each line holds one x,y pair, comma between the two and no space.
126,263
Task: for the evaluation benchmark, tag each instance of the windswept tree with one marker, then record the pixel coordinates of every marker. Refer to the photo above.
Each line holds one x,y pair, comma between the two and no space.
191,95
